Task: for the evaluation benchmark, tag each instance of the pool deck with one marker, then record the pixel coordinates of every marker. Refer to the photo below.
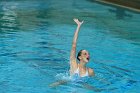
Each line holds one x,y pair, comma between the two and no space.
133,5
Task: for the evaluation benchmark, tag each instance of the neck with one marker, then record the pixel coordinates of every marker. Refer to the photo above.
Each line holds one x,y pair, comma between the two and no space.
82,64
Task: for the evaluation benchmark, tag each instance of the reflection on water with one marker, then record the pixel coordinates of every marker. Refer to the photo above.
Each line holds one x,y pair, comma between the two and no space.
8,17
35,40
127,25
120,13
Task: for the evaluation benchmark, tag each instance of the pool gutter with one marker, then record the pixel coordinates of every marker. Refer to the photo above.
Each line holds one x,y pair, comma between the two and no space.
123,4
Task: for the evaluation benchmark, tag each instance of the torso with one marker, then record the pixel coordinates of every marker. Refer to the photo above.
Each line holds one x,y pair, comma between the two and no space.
81,74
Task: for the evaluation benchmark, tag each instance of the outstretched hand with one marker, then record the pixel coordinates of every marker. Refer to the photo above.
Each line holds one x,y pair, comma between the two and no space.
78,22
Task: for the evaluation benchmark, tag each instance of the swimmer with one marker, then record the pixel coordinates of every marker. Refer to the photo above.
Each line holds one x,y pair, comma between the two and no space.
83,56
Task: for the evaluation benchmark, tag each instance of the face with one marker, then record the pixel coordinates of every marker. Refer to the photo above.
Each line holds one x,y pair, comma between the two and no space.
84,56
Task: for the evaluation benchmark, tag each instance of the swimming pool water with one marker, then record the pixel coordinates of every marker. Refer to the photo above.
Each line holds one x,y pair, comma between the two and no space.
36,38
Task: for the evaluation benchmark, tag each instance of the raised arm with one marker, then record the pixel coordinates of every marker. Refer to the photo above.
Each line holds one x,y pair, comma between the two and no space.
73,63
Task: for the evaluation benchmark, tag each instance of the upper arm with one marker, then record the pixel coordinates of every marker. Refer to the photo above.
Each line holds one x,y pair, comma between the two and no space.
73,65
91,72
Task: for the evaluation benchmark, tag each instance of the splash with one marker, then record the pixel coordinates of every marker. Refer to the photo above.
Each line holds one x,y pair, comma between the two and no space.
63,76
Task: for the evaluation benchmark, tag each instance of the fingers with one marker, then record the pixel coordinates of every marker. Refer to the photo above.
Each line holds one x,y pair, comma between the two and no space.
77,21
82,22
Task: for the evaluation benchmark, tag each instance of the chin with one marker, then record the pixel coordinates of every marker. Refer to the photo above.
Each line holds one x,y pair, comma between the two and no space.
87,61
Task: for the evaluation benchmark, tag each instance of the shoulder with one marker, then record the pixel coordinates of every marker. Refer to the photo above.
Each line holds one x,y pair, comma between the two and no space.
73,64
91,72
73,68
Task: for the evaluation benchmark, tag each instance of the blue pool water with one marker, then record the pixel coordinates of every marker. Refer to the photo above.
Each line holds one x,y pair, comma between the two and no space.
36,38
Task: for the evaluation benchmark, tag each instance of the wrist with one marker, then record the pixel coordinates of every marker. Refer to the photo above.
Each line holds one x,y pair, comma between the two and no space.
78,25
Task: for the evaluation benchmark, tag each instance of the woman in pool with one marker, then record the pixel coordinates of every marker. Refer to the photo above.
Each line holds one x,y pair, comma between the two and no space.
83,56
76,68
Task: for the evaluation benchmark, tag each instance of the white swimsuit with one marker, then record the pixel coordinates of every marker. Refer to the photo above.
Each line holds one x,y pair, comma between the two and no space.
78,72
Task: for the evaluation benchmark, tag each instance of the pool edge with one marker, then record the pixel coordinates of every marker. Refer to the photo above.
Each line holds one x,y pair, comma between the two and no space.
118,5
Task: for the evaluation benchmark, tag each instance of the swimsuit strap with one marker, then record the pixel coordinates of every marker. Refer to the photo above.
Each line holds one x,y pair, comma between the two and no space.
86,73
77,70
